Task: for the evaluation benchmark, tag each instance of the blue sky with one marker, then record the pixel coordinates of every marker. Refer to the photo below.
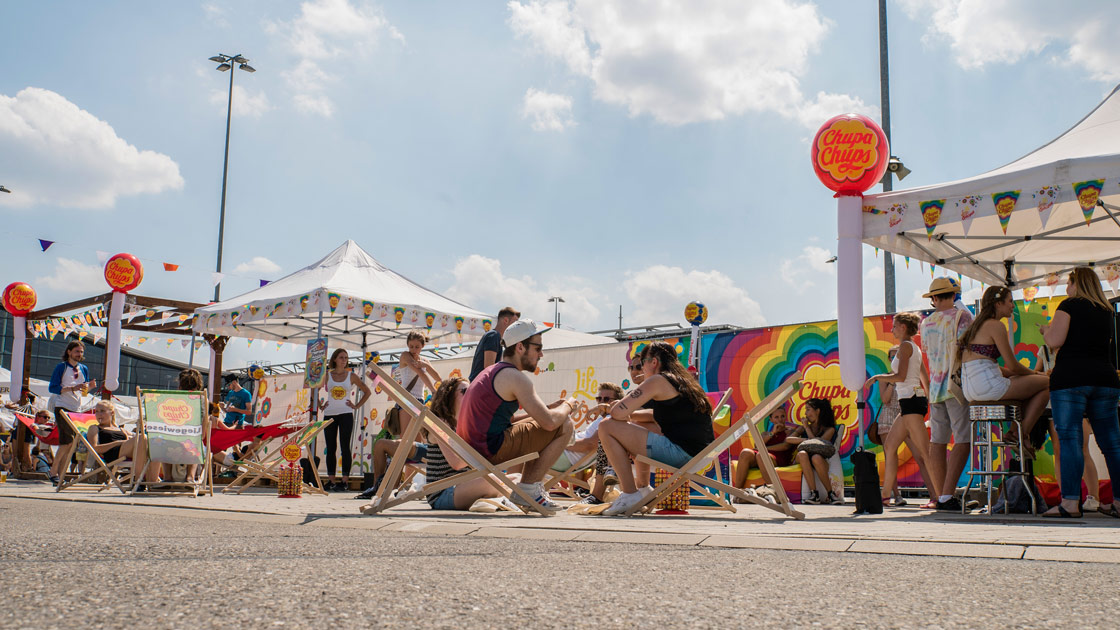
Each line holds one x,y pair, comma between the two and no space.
640,154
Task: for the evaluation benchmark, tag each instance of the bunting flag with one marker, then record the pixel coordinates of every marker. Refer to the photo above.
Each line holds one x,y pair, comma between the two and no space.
169,342
97,337
1088,193
876,252
197,345
149,314
332,301
907,261
249,343
164,316
932,267
265,282
183,318
1046,196
216,277
142,340
931,214
967,207
45,244
170,267
895,214
1111,274
279,344
367,309
1029,293
102,257
185,343
1005,205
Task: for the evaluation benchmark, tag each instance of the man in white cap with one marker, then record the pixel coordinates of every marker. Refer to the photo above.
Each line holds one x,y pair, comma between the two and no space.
486,417
947,416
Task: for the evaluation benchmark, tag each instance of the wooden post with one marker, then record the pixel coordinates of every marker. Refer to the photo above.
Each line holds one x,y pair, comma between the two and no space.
218,343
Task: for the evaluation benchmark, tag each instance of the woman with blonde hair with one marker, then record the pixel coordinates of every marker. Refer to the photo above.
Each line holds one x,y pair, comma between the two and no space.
683,416
985,341
1084,384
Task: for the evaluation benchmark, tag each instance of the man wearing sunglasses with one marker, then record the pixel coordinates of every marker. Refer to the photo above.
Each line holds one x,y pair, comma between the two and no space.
486,418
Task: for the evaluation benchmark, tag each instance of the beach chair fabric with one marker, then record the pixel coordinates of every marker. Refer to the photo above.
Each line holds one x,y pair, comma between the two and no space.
269,467
690,472
176,426
80,424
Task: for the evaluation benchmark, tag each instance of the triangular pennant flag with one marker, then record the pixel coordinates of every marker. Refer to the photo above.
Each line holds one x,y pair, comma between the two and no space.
216,277
896,214
279,344
265,282
102,257
96,338
197,345
169,342
967,207
931,214
1046,196
249,342
164,316
185,343
1111,273
1088,194
182,318
907,261
932,267
149,314
170,267
876,252
45,244
1005,205
141,340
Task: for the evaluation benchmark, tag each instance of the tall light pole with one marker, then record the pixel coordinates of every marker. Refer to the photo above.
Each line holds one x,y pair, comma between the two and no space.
556,301
885,105
226,63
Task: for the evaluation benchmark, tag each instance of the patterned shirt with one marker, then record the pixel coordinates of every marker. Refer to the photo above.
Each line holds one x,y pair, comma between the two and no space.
937,337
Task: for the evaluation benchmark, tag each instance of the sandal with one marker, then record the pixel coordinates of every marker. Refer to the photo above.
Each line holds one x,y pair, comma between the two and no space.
1109,510
1064,513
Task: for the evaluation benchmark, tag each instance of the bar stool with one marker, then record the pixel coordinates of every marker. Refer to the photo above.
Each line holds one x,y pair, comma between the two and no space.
988,448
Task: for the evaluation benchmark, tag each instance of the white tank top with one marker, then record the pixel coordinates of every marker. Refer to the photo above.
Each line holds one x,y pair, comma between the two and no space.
913,382
338,392
406,375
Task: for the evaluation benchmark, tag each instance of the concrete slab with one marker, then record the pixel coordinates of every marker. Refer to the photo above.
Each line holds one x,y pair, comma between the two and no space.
527,533
648,538
955,550
774,542
1073,554
446,529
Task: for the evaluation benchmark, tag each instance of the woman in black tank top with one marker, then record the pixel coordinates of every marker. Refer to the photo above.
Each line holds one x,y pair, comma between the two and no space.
667,418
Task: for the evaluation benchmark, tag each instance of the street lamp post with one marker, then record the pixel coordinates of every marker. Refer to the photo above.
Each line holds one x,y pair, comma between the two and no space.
226,62
556,301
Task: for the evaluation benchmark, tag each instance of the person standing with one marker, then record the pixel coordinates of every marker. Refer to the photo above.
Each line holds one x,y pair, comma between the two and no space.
69,382
489,348
238,404
1084,383
948,417
339,408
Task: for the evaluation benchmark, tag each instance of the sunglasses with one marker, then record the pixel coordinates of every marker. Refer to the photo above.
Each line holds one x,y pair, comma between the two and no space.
540,346
604,399
635,366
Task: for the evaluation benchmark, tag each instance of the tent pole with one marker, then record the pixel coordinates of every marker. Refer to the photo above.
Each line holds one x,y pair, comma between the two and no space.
361,411
314,446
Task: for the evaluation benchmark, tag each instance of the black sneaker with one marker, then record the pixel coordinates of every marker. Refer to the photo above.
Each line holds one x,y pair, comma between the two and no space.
813,499
952,505
369,492
590,500
835,500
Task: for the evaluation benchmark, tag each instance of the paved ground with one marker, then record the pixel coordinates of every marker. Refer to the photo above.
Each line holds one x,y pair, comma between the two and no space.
100,565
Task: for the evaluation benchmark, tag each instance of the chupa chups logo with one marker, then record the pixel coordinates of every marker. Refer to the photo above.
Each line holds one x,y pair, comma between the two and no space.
849,154
176,412
19,298
123,272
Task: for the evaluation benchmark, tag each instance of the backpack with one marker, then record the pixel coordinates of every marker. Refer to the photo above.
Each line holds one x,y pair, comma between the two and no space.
1014,494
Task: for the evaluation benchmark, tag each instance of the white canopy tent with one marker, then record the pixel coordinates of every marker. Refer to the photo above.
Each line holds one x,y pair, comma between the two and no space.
1020,225
360,302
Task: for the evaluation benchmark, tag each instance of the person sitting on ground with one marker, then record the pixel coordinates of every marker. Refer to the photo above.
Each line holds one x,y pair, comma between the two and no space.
486,421
819,425
683,416
781,452
983,379
909,380
238,404
587,440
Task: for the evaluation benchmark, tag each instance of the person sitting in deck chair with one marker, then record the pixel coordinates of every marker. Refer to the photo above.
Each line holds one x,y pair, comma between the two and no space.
587,440
683,416
487,421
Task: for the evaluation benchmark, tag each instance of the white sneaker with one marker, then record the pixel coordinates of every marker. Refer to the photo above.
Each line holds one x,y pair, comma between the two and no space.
1091,504
624,502
535,492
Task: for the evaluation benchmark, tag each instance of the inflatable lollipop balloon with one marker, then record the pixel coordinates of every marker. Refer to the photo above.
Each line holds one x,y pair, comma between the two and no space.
123,273
19,300
695,313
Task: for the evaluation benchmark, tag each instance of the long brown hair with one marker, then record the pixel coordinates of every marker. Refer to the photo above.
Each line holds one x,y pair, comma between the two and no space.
334,355
1089,286
992,296
443,401
685,383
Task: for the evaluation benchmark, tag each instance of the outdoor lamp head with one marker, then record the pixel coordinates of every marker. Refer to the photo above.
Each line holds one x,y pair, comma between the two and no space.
247,68
223,67
240,59
217,59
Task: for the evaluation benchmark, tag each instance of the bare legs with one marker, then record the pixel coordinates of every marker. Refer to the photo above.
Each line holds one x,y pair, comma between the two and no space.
748,459
620,440
812,468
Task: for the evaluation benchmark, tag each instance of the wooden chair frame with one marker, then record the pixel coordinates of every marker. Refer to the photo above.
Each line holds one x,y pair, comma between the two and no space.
478,466
689,473
555,478
110,468
268,468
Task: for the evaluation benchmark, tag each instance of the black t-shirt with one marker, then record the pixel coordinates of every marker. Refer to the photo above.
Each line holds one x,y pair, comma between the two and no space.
682,424
491,341
1083,358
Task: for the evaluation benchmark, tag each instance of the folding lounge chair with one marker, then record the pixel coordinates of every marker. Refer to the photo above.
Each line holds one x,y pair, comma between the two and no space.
478,466
269,467
690,471
173,424
570,477
80,424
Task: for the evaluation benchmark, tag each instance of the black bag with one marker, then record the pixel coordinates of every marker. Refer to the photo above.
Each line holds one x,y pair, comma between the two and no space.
1014,494
866,473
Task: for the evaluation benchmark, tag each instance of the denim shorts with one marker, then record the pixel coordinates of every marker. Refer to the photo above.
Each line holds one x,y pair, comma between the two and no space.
444,500
421,453
662,449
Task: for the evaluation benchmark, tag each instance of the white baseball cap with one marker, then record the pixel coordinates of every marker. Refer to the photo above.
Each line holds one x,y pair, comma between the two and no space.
521,330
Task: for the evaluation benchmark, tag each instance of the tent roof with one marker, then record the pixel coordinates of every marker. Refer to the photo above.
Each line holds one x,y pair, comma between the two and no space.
355,294
1059,206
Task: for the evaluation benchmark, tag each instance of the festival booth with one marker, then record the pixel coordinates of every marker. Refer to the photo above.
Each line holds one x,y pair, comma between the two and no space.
345,300
1023,225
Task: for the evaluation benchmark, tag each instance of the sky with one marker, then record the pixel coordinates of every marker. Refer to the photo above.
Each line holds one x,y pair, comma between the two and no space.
613,153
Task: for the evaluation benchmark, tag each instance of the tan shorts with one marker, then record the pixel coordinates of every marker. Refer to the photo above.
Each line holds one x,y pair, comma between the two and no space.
522,438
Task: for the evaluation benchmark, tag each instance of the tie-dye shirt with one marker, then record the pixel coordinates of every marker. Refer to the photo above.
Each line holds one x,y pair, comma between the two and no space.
937,335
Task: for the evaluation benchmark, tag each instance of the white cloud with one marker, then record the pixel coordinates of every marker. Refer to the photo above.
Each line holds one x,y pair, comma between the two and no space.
549,112
259,264
982,32
56,153
481,283
328,30
246,103
809,270
215,14
660,293
71,276
683,62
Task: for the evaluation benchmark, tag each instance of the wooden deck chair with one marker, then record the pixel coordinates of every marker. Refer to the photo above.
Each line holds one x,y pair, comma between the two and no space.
80,424
554,478
689,472
253,472
478,466
173,424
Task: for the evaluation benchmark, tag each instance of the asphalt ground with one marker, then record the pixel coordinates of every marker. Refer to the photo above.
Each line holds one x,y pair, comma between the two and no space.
83,565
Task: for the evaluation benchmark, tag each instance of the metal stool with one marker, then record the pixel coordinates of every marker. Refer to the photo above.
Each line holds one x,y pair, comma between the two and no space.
986,446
